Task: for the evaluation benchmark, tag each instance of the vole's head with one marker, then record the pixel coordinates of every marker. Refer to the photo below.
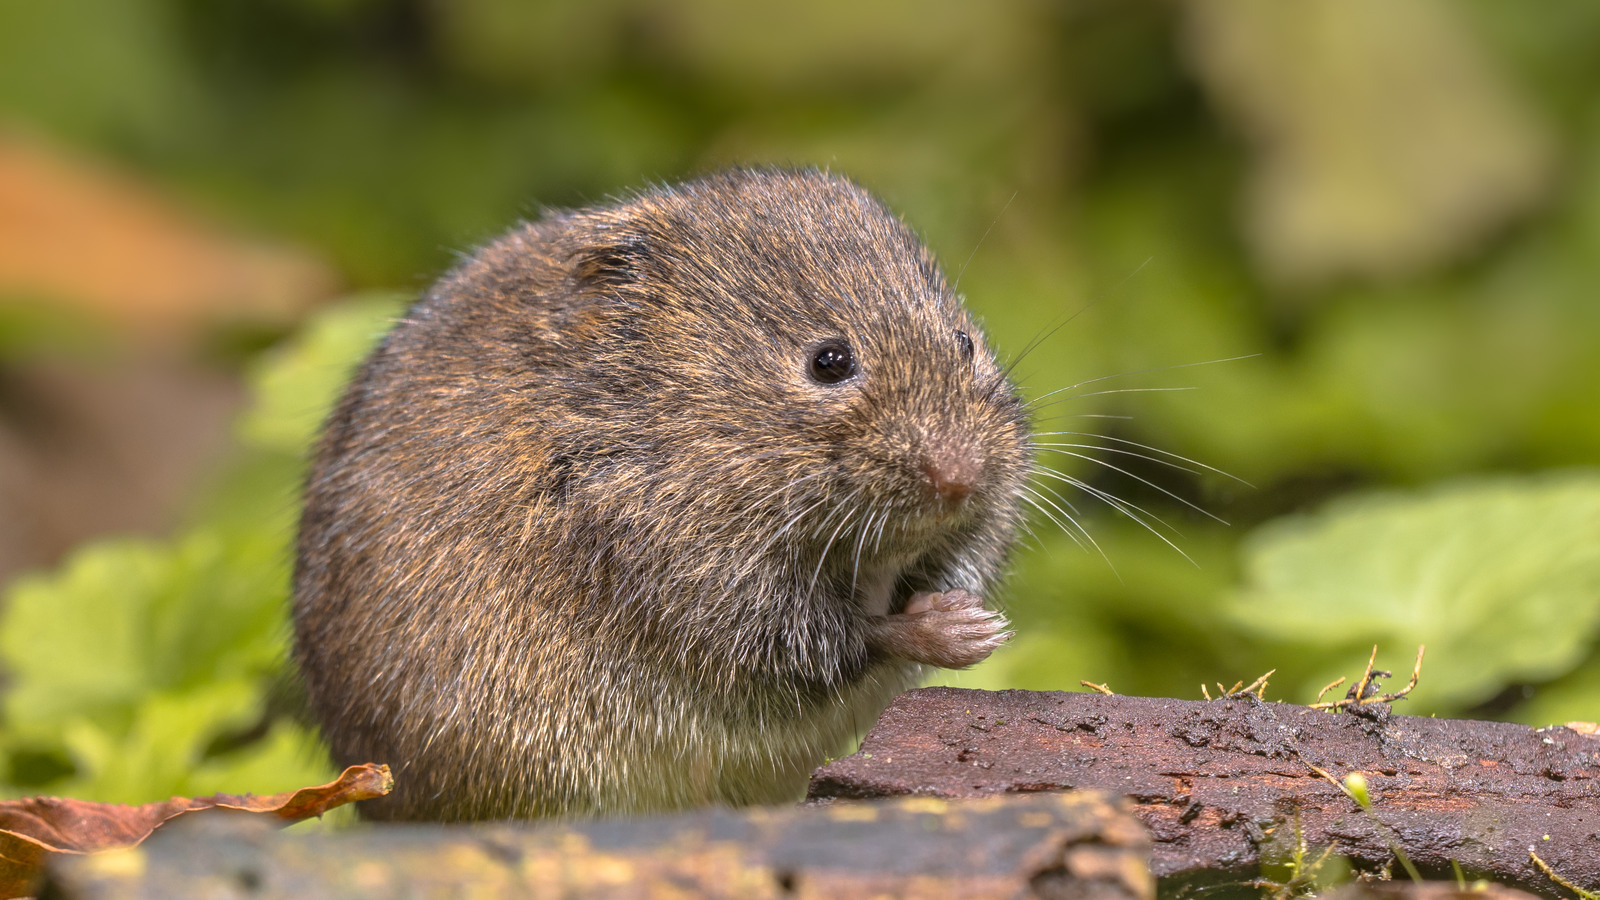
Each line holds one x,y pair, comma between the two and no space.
783,349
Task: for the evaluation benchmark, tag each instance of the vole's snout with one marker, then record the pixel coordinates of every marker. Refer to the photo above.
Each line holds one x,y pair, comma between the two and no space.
952,466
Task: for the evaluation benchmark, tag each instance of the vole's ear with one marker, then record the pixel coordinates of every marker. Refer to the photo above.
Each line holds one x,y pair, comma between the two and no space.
612,261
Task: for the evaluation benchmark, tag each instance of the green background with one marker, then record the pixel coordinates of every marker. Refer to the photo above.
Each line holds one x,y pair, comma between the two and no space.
1346,253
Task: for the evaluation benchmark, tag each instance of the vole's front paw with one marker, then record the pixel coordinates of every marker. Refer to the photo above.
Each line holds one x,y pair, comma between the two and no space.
951,630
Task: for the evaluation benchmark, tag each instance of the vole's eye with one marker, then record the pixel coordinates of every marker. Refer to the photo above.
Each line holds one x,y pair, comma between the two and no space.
964,341
832,361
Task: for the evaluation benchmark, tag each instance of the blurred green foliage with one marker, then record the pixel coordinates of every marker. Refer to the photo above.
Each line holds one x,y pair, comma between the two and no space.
1394,213
142,669
1500,579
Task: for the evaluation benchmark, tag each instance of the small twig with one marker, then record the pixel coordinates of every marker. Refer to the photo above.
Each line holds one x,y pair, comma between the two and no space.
1257,687
1365,691
1331,780
1099,688
1359,692
1330,686
1551,874
1416,673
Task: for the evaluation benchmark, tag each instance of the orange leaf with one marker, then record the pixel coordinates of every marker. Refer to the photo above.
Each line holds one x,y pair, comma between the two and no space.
33,828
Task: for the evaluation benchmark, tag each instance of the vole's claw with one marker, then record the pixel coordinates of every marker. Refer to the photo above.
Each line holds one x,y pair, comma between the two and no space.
952,630
955,599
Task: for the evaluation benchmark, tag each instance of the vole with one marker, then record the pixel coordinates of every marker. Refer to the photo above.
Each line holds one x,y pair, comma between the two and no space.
656,504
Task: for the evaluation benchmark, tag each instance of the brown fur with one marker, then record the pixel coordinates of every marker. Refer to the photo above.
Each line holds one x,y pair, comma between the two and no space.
584,537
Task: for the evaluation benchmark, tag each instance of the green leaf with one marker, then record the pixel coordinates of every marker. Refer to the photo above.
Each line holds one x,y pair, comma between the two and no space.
152,758
136,656
296,386
72,641
127,617
287,759
1499,578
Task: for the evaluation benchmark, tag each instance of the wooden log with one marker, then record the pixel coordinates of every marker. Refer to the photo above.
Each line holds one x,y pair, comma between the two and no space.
1078,846
1226,784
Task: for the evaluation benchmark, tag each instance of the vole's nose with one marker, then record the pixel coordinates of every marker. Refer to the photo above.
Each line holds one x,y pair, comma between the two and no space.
952,467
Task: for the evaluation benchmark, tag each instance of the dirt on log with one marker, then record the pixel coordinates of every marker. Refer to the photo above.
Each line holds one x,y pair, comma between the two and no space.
1078,846
1224,785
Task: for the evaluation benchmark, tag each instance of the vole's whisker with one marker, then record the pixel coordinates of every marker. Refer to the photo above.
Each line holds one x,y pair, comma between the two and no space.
861,539
1035,498
1125,441
1040,339
1068,522
1208,362
793,520
823,557
1124,418
1029,537
1060,498
1142,390
1139,478
837,506
1132,510
757,504
1055,447
1104,496
1052,518
956,287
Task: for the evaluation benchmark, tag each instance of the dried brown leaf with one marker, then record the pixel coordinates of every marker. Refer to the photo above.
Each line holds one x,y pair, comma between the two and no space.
34,827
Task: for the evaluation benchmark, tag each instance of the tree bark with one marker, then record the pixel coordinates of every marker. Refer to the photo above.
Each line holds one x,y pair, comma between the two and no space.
1229,784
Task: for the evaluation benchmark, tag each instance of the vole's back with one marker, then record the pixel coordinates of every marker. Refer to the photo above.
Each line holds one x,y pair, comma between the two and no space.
606,525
